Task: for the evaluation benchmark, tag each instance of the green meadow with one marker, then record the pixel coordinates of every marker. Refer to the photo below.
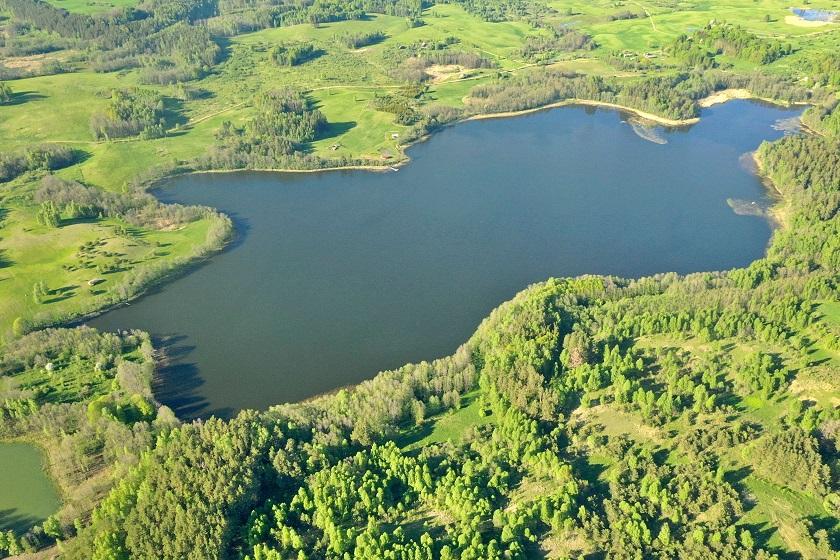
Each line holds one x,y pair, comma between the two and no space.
70,261
93,6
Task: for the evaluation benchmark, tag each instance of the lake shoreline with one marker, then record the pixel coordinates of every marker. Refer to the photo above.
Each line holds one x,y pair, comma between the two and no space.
177,270
716,98
775,214
724,95
778,211
588,103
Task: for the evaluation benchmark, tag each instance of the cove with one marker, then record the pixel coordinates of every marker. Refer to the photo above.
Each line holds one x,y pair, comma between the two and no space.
335,276
27,495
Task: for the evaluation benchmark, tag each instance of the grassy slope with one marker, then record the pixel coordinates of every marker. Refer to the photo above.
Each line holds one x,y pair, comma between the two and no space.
774,506
92,6
53,256
449,426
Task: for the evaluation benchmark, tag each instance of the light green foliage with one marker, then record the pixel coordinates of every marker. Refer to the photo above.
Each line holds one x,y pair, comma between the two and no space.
93,6
5,93
86,398
666,417
62,366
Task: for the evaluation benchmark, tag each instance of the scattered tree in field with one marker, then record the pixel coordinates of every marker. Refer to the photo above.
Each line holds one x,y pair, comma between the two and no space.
49,215
5,93
293,54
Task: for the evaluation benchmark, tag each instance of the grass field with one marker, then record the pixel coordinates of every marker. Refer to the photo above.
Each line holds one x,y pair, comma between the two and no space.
92,6
830,311
67,258
779,514
780,507
451,426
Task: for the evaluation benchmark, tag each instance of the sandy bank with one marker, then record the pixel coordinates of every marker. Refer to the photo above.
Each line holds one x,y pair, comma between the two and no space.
566,102
801,22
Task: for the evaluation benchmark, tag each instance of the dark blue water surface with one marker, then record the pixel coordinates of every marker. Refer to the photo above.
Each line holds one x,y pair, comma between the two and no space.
336,276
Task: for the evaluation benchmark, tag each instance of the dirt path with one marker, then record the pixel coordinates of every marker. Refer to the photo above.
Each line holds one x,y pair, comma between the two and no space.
219,112
649,15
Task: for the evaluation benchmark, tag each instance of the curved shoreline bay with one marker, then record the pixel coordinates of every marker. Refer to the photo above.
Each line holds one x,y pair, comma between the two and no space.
336,276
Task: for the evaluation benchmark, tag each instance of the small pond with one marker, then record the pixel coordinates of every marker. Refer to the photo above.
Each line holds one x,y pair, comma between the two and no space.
27,494
812,14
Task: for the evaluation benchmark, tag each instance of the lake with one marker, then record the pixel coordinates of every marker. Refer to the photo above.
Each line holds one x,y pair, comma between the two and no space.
27,494
335,276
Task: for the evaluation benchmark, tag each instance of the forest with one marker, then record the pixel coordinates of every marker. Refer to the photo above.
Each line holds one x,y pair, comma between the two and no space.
130,113
700,48
45,157
666,417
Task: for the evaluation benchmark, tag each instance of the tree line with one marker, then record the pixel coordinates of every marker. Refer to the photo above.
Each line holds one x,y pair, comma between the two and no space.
130,112
701,47
44,157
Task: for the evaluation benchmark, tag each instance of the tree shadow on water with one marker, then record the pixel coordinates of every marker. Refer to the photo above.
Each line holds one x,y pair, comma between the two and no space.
14,520
178,381
241,228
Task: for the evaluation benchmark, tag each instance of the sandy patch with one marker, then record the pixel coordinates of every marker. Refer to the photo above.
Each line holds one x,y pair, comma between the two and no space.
809,388
567,102
32,62
443,72
568,545
646,132
617,422
800,22
723,96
